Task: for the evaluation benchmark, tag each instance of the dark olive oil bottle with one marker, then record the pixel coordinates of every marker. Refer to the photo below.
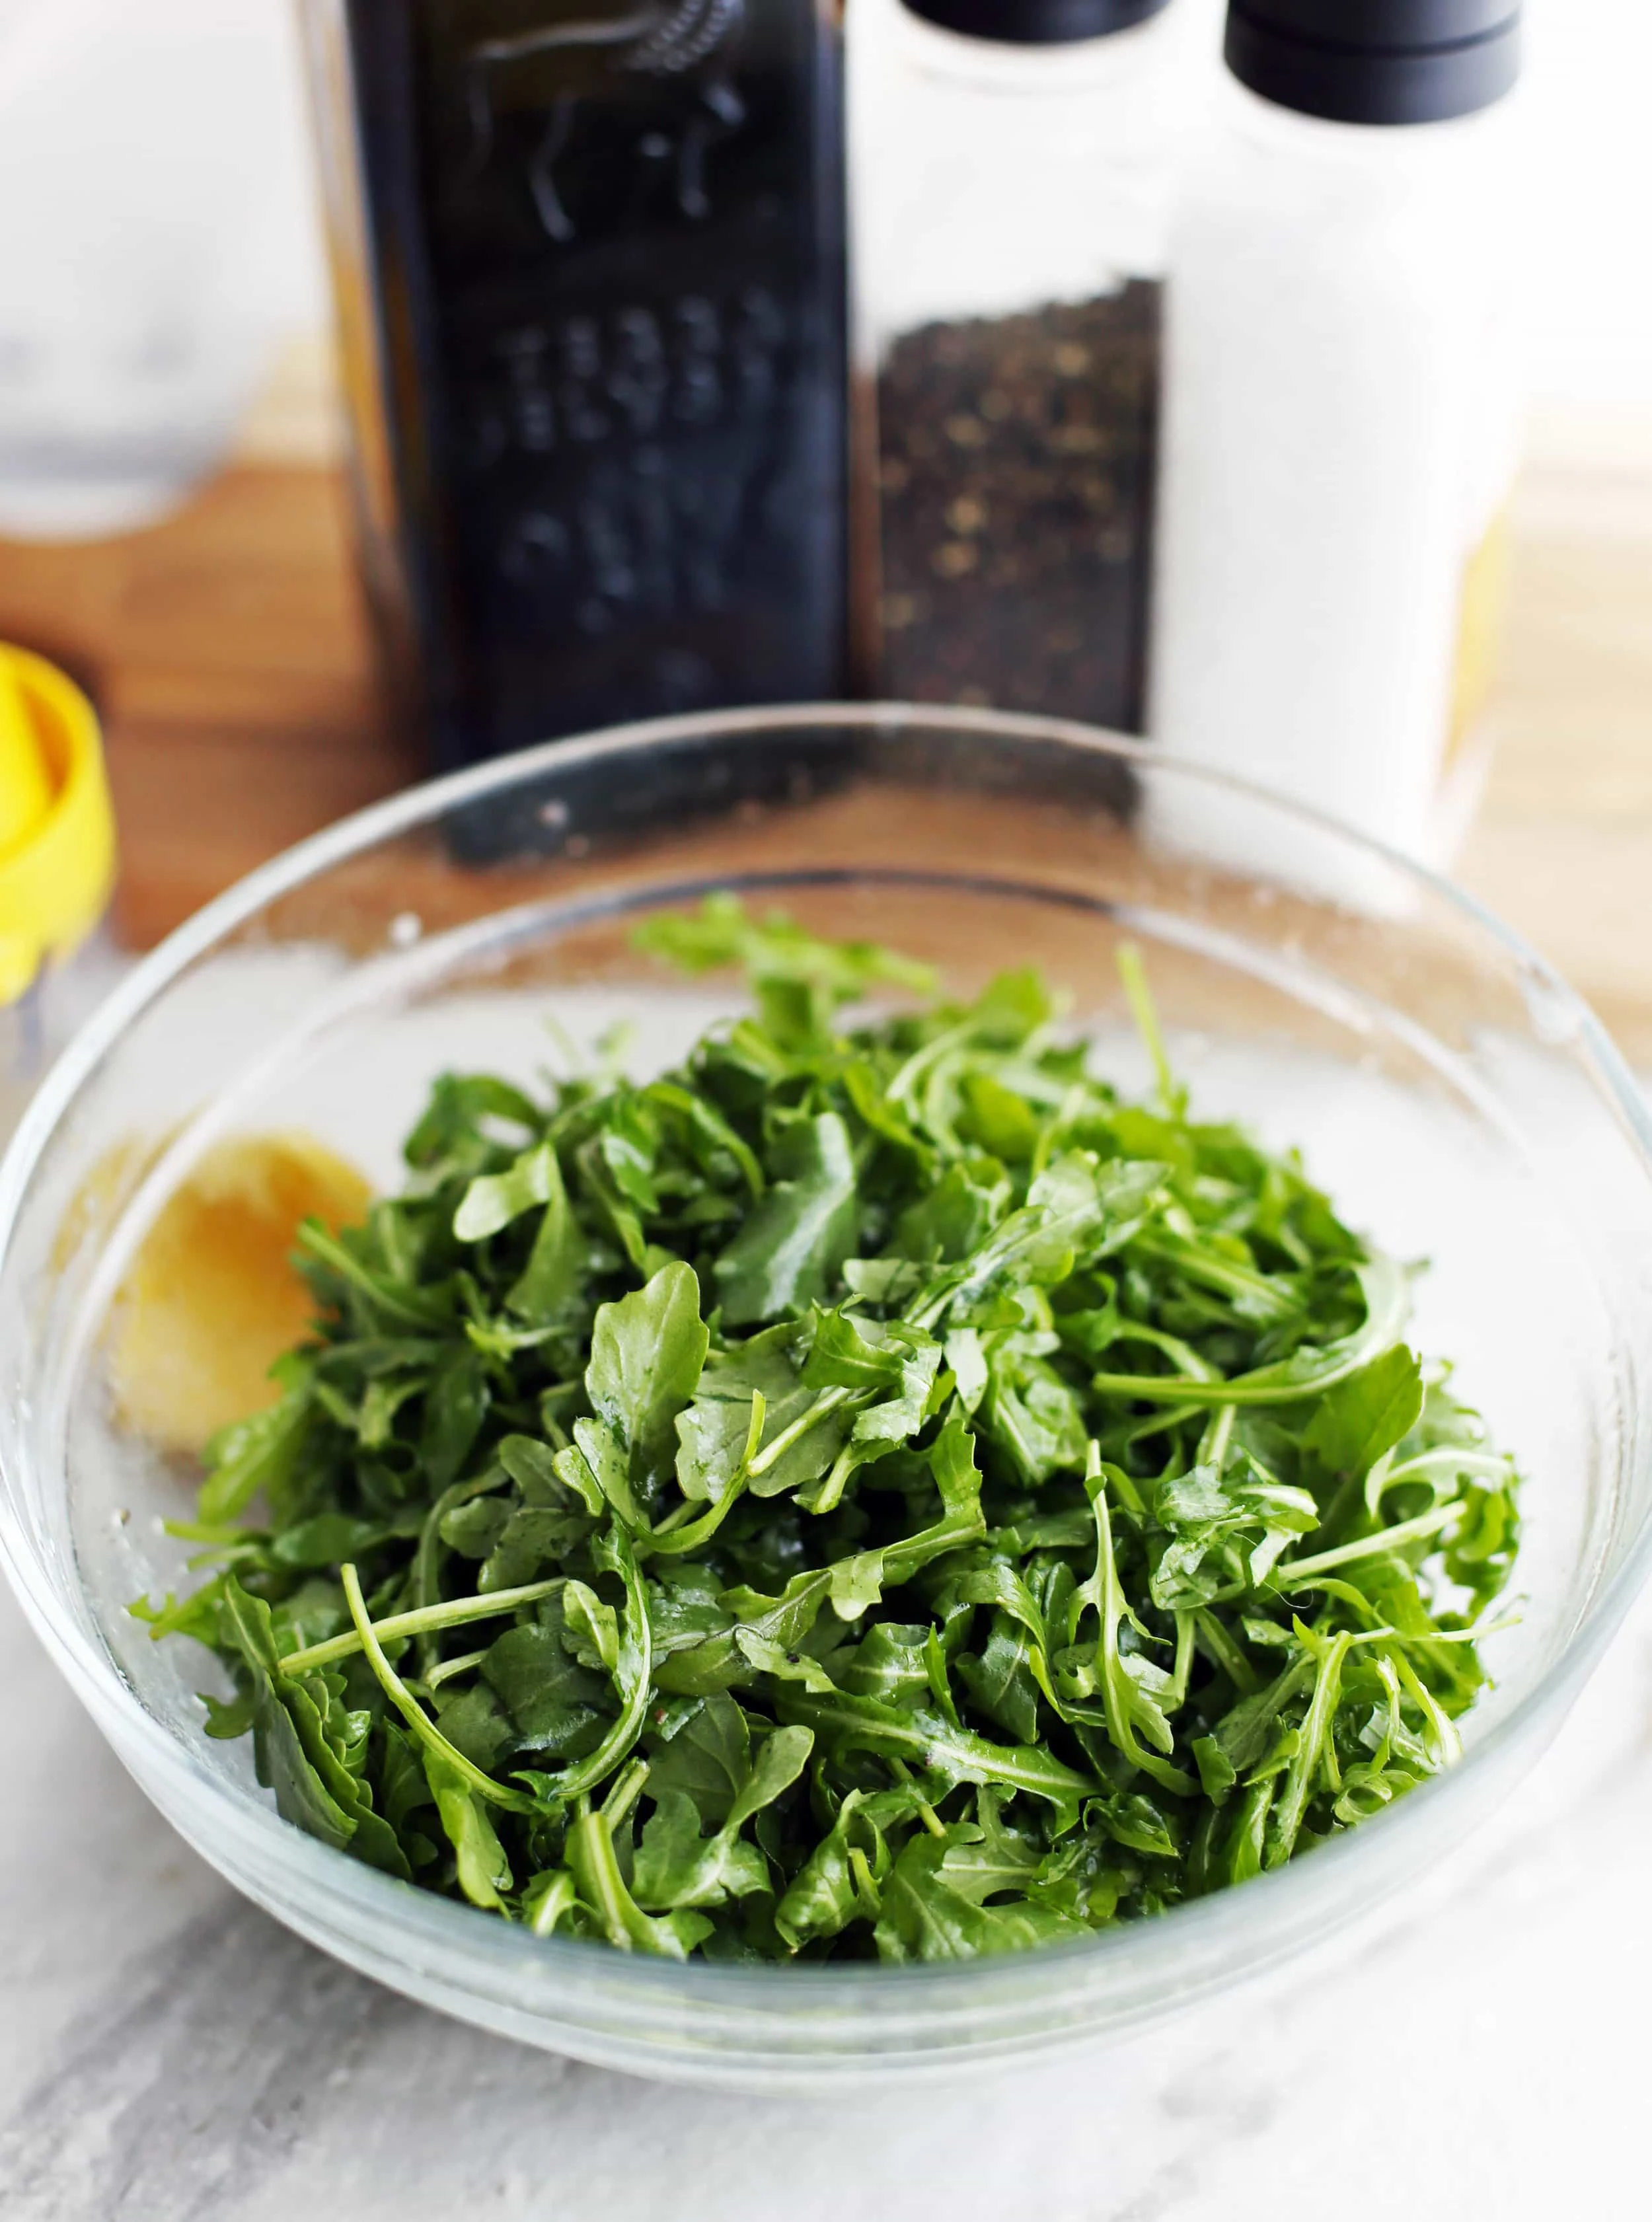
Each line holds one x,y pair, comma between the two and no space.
589,261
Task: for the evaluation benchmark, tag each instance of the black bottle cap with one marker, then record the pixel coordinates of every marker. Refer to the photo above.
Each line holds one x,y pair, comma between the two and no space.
1376,61
1034,23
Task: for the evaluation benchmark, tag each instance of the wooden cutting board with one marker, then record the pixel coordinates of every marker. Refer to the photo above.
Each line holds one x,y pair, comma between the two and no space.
229,653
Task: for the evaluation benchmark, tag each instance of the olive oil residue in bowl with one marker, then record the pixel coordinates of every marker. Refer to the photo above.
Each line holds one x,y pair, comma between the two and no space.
213,1299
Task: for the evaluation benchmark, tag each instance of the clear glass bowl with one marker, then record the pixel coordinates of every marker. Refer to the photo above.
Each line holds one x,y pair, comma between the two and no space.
1456,1097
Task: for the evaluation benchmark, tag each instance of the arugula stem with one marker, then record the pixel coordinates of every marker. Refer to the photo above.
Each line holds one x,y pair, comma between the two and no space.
426,1567
625,1793
1289,1382
1366,1547
614,1555
447,1668
330,1252
1183,1389
1223,1275
1119,1698
675,1535
676,1532
1213,1444
1447,1465
1314,1750
926,1812
829,1494
899,1089
496,1793
591,1857
866,1888
828,1401
1220,1649
423,1620
1133,975
1443,1731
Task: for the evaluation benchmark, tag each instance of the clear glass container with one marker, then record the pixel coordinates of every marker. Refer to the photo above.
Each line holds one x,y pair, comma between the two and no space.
1456,1097
1344,353
39,1023
588,263
147,196
1008,202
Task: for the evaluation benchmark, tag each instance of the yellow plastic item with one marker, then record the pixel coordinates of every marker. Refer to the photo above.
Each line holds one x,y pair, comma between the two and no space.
57,827
25,790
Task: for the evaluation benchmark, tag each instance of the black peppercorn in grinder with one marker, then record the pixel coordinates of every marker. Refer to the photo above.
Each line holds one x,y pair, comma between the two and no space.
1009,177
589,265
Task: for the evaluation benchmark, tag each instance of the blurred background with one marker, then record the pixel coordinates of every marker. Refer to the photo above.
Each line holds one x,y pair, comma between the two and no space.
167,387
1588,63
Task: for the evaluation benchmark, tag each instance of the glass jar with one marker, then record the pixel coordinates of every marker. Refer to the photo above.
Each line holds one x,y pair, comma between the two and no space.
588,260
146,189
1349,276
1009,177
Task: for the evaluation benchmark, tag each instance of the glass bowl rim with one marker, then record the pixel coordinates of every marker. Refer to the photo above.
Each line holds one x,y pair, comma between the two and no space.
483,1941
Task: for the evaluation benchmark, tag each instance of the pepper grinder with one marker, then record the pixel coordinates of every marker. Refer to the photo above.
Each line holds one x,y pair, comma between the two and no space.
1010,163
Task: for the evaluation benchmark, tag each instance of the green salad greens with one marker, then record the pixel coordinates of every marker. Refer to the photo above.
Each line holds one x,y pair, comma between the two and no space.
873,1492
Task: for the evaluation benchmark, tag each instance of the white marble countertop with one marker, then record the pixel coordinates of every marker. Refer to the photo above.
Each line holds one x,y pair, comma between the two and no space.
167,2054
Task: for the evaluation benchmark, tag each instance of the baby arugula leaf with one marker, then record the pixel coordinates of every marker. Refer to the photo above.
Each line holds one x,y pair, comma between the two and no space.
646,1355
799,981
925,1917
793,1246
1364,1417
676,1866
300,1738
715,1445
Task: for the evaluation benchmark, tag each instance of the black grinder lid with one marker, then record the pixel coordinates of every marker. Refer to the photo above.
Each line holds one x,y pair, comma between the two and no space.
1376,61
1034,23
